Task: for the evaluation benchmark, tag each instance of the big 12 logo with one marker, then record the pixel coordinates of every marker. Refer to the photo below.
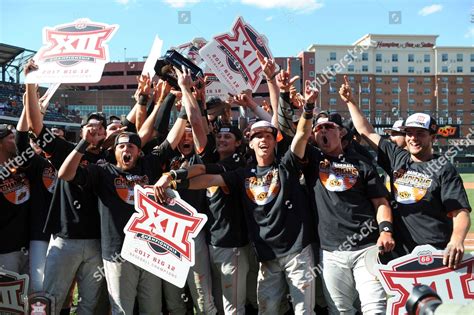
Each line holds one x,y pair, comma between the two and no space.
13,292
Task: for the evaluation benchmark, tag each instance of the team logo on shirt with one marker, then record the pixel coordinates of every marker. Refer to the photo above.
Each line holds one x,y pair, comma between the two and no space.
263,189
410,186
125,185
336,176
16,189
50,178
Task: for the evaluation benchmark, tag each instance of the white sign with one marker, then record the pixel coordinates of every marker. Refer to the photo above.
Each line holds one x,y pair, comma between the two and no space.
47,96
160,238
214,86
233,58
425,266
73,53
155,53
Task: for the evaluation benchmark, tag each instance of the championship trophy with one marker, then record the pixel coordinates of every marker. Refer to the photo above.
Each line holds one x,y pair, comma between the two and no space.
164,67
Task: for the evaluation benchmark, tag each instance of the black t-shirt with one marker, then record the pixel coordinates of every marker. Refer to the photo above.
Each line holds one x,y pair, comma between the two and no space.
43,178
73,212
343,187
276,206
14,210
115,191
425,192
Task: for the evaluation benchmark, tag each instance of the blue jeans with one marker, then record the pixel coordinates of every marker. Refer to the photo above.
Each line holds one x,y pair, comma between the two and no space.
38,251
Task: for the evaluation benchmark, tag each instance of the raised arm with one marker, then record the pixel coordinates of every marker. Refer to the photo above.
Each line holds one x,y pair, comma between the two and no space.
269,70
68,169
32,108
303,131
363,126
193,110
144,89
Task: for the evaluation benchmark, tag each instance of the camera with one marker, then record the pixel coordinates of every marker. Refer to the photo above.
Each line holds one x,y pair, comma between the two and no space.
423,301
164,67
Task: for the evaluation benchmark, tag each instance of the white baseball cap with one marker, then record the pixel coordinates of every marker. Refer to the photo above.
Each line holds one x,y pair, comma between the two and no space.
421,120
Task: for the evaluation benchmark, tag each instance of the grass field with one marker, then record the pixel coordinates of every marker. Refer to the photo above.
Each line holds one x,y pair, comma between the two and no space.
469,178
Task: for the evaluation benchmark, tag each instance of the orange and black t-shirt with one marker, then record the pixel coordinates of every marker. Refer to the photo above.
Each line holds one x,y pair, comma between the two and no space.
425,194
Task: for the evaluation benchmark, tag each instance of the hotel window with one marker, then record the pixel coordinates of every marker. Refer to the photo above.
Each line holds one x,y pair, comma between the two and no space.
459,80
378,113
444,91
444,57
395,69
365,101
395,90
426,80
378,101
444,79
116,110
333,79
365,56
444,101
311,61
472,80
411,80
332,101
395,80
365,79
365,90
366,112
472,57
426,91
459,57
378,57
379,79
311,74
444,69
427,58
332,56
459,91
378,90
411,101
350,68
459,101
472,90
351,79
411,90
427,101
378,69
365,68
427,70
395,57
459,69
411,57
411,69
472,69
394,101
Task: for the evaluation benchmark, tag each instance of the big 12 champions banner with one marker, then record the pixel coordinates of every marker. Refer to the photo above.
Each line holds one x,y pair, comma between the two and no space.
74,52
425,266
13,292
160,238
233,59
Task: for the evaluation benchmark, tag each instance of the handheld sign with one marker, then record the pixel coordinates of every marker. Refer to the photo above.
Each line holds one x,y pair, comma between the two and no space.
73,53
232,57
425,266
160,238
13,292
155,53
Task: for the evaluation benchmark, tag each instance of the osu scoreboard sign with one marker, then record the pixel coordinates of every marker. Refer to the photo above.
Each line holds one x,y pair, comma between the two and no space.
425,266
160,238
74,52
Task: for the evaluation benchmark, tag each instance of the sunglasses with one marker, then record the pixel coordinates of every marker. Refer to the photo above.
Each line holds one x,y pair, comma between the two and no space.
324,126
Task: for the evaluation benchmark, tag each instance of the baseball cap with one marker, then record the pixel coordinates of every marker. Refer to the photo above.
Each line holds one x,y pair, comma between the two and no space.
232,129
263,126
128,137
324,118
98,117
396,127
5,130
421,120
114,119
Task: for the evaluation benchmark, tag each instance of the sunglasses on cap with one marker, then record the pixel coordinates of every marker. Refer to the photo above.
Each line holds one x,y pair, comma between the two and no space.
5,130
327,126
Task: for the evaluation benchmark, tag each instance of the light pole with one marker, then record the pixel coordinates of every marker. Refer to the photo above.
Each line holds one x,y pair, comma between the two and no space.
65,97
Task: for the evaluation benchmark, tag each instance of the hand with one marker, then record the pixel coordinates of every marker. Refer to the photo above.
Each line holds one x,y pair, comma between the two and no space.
385,243
144,85
346,91
160,90
199,89
244,99
30,66
176,93
283,78
310,93
268,65
453,253
91,134
184,78
160,188
266,106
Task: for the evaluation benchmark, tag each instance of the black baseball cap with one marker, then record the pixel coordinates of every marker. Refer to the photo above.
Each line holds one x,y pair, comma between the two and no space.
5,130
128,137
114,119
98,116
232,129
324,118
